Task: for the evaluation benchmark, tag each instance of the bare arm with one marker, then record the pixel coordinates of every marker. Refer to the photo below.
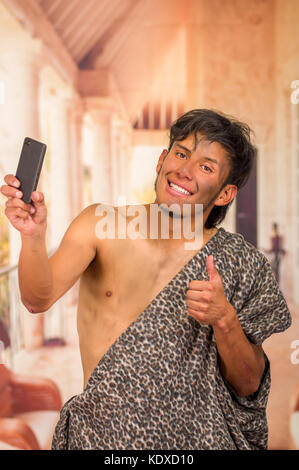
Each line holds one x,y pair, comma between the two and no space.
42,280
241,362
76,251
35,275
45,280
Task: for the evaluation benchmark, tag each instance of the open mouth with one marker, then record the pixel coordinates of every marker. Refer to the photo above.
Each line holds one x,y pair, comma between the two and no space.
177,190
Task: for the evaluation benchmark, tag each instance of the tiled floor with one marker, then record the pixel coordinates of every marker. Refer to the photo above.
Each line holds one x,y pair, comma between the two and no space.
60,363
63,365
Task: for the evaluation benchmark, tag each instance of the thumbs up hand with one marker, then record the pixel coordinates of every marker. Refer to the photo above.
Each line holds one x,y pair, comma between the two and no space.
206,300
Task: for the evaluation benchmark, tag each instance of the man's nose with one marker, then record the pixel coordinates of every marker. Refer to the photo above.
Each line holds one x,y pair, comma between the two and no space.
186,169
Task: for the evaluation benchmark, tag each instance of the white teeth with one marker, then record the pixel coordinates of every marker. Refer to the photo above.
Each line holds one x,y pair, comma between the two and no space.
178,188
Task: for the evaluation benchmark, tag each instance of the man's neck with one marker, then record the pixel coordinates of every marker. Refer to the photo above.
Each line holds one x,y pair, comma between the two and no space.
176,233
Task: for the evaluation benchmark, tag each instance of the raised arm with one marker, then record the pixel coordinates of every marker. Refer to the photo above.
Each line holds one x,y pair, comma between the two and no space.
44,280
76,251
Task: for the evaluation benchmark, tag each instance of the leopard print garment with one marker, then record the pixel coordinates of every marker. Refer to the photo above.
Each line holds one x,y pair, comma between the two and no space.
159,386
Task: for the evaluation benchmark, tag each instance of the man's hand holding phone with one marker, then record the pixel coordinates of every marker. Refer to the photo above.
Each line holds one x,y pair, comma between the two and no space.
29,219
27,212
25,207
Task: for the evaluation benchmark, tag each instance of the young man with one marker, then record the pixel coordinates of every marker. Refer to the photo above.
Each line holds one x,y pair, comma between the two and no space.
170,338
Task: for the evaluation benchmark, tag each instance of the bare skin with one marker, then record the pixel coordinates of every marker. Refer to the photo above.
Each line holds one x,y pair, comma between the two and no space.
119,278
124,277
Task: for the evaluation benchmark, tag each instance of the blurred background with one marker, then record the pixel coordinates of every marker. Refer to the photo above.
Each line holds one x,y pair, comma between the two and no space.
100,81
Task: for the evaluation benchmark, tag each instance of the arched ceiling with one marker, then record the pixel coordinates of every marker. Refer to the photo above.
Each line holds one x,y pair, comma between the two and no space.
130,38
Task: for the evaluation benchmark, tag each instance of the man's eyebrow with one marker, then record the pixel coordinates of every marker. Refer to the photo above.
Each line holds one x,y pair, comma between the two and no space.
211,160
183,147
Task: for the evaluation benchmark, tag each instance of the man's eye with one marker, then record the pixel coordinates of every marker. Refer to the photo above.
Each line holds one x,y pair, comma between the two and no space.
207,168
181,154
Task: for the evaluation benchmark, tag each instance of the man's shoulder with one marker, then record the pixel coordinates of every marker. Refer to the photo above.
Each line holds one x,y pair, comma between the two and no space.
95,211
108,221
99,209
235,244
86,216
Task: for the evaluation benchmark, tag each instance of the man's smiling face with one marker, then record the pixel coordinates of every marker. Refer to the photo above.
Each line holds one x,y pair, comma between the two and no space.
193,172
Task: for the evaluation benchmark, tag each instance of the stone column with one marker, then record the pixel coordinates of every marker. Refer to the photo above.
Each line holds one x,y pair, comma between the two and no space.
117,176
20,61
59,219
75,166
60,209
122,158
101,112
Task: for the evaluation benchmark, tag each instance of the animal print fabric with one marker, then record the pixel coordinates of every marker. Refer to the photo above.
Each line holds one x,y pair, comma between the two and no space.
159,385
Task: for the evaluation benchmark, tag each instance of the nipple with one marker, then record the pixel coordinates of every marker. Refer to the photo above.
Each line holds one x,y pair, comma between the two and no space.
108,293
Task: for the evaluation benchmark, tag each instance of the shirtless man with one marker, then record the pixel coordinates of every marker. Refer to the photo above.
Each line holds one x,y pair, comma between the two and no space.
120,277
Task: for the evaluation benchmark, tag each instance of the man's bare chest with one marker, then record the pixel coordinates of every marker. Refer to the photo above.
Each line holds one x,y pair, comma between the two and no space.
127,275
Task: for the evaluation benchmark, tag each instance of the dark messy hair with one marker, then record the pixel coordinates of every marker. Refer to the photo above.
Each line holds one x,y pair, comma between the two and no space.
235,138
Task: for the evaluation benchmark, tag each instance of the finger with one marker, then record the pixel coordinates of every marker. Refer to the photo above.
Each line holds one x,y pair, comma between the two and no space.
14,202
11,180
38,197
199,316
211,267
197,306
16,212
9,191
213,274
199,296
200,285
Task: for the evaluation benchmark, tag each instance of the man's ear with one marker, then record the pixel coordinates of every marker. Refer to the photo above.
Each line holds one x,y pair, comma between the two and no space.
227,194
161,159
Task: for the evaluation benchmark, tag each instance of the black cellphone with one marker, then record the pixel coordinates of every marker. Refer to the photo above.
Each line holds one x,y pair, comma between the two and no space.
29,167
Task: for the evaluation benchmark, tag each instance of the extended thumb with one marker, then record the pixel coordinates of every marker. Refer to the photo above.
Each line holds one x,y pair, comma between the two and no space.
37,197
211,268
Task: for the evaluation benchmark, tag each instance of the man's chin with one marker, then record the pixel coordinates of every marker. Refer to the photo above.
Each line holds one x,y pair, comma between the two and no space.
179,208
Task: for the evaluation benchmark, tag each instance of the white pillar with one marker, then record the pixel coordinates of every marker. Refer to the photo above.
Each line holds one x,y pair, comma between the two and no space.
59,217
59,199
75,169
20,61
19,115
75,118
117,177
101,113
122,159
